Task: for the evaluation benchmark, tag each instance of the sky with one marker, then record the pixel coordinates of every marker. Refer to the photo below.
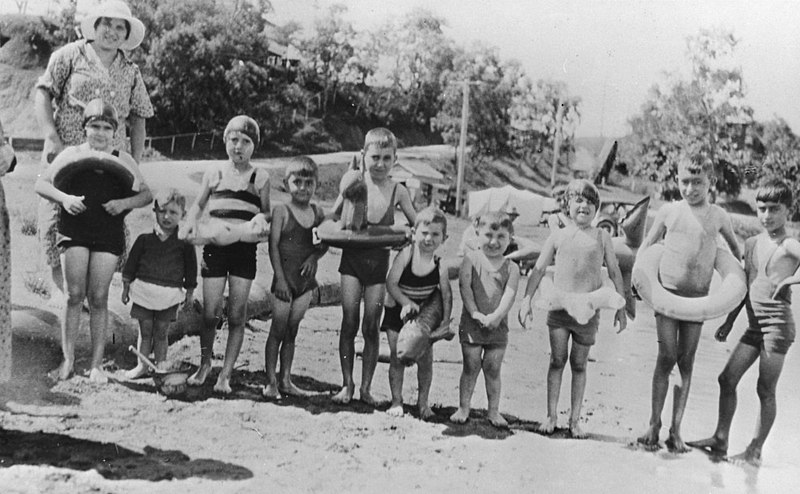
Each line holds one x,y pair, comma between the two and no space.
609,52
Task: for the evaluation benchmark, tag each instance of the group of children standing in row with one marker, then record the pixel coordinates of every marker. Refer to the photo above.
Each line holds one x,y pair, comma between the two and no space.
160,275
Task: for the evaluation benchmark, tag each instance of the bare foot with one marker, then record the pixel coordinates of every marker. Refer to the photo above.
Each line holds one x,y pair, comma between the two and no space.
548,426
395,410
137,372
344,396
460,417
62,372
497,420
291,390
425,413
675,443
199,377
97,376
650,438
575,430
751,456
223,384
366,398
270,392
711,446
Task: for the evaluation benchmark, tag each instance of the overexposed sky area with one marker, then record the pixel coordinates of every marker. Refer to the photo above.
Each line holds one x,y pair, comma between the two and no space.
609,52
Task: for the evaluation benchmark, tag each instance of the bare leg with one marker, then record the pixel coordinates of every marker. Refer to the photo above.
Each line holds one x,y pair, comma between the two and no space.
238,292
577,361
769,371
559,344
145,345
492,363
160,341
76,270
396,373
299,307
472,356
213,289
351,305
370,330
688,338
667,330
739,362
277,333
101,269
424,380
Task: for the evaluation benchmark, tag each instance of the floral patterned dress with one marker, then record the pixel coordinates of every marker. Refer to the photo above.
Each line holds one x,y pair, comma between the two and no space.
74,76
5,281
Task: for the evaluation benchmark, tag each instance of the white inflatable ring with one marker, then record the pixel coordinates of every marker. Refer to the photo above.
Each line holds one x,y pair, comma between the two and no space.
718,303
217,231
581,306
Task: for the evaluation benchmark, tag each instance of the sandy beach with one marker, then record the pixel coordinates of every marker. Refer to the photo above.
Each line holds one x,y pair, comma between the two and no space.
125,437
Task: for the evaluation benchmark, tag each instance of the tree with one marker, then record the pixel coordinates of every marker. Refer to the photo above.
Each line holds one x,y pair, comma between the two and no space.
705,115
779,151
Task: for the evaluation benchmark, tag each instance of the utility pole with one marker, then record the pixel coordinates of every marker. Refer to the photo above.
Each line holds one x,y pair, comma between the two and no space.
462,145
557,142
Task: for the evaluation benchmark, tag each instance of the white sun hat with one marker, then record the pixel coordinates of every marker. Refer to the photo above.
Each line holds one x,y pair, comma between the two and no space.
114,9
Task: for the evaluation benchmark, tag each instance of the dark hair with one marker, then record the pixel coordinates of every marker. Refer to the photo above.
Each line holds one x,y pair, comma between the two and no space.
432,215
495,220
584,188
775,190
302,166
697,164
127,24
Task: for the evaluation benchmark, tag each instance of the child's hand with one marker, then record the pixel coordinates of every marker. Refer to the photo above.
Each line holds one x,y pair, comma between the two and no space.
621,319
482,319
524,311
282,290
114,207
309,268
408,309
260,222
74,204
781,291
125,294
723,331
188,301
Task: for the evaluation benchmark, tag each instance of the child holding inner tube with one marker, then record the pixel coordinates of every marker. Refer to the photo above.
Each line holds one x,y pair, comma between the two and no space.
579,250
689,229
91,227
772,265
416,274
237,192
159,276
363,271
488,284
294,263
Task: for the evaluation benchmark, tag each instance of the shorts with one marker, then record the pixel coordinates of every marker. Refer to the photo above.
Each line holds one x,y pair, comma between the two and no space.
773,339
391,318
585,334
112,246
165,315
238,259
369,266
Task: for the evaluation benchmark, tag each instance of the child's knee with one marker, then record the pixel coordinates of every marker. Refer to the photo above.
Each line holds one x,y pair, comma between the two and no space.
75,296
577,366
765,390
558,361
98,300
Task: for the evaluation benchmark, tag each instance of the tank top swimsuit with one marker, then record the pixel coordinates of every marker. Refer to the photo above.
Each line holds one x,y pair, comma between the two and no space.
295,246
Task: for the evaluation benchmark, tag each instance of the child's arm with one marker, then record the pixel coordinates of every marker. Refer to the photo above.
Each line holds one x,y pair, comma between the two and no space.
336,211
129,270
45,188
730,237
282,290
537,273
263,218
507,300
616,277
401,260
404,200
142,198
467,296
658,229
189,273
447,293
309,267
725,328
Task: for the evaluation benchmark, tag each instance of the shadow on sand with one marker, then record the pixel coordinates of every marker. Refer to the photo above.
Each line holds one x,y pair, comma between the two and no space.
109,459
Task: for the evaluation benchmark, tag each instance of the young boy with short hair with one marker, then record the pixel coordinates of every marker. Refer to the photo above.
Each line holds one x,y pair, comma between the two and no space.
159,276
416,274
772,265
689,229
363,271
488,283
294,264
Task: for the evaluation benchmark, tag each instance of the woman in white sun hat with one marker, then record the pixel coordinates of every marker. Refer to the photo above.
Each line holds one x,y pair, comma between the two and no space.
90,68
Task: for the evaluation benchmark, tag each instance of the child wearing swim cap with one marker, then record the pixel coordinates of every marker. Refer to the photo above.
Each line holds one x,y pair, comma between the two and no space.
236,192
772,265
579,250
90,231
689,229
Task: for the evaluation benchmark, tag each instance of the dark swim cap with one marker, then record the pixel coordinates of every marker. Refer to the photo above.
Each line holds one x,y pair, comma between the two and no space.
97,109
245,125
